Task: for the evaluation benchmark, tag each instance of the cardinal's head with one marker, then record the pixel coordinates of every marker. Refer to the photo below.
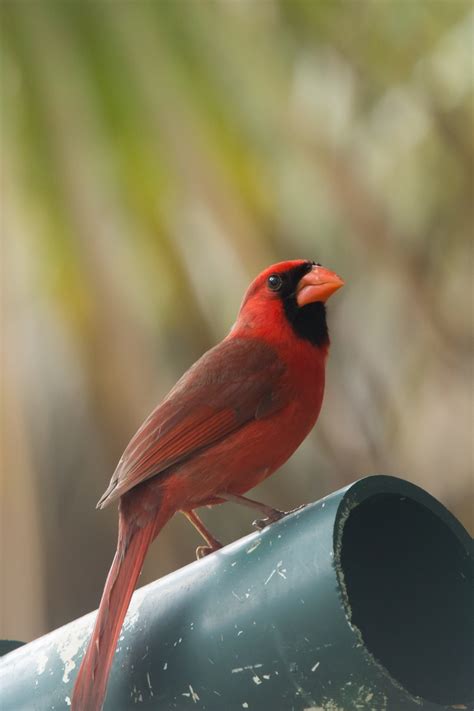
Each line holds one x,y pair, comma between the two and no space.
292,295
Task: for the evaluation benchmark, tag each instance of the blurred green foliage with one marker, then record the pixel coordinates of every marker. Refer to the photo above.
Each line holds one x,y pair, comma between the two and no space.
156,156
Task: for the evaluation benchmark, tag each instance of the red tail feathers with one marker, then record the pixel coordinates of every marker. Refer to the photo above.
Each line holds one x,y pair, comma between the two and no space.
91,682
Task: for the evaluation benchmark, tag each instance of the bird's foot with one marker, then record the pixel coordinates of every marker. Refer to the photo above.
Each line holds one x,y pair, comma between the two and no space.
276,515
262,523
203,551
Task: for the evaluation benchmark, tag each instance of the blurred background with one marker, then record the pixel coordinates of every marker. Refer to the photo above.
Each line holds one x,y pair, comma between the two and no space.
155,157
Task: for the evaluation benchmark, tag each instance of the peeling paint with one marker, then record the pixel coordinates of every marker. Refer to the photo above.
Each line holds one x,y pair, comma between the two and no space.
68,649
41,663
133,614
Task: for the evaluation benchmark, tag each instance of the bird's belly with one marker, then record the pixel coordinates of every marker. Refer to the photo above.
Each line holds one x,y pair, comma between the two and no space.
243,459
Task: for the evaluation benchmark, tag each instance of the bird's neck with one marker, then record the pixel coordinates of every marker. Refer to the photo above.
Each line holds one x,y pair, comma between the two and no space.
285,321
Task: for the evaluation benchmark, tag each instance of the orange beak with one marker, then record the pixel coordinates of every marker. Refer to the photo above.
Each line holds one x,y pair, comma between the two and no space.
317,285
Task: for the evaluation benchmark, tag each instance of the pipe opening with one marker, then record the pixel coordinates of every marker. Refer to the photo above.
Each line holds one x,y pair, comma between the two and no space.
408,580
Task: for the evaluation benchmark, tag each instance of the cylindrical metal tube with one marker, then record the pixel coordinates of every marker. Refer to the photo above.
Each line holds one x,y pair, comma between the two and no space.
360,601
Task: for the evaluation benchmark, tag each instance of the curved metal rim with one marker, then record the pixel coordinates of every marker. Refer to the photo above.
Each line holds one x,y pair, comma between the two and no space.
354,495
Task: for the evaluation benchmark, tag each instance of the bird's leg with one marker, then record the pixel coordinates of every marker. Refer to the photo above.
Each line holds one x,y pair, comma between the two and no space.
271,514
213,543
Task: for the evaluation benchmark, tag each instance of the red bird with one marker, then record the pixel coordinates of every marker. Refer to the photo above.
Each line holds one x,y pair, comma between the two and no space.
233,418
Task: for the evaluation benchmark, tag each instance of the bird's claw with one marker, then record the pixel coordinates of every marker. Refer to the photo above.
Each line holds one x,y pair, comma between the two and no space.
262,523
203,551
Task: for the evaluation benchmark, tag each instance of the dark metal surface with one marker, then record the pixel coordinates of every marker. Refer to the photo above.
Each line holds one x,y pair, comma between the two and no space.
294,618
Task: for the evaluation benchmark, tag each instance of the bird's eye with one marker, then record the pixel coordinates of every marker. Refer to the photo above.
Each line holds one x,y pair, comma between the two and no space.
275,282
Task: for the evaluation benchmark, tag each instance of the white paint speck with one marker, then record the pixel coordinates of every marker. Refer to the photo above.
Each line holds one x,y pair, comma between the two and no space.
193,694
245,705
313,668
247,667
256,679
270,576
165,666
254,546
279,569
149,683
67,700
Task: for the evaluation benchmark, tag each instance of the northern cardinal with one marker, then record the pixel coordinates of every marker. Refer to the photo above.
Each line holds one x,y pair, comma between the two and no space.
232,419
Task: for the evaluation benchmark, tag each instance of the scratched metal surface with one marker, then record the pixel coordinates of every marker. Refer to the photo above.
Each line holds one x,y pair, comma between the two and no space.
259,625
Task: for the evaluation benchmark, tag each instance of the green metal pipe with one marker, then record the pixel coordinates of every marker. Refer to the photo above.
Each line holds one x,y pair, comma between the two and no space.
360,601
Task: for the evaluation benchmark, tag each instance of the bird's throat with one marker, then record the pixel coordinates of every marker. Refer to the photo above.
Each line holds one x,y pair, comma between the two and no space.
308,322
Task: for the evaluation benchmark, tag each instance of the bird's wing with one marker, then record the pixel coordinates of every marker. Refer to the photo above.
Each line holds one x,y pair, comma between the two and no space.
237,381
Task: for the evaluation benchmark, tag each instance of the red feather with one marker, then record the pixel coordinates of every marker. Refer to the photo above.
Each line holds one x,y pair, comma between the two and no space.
219,394
133,543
